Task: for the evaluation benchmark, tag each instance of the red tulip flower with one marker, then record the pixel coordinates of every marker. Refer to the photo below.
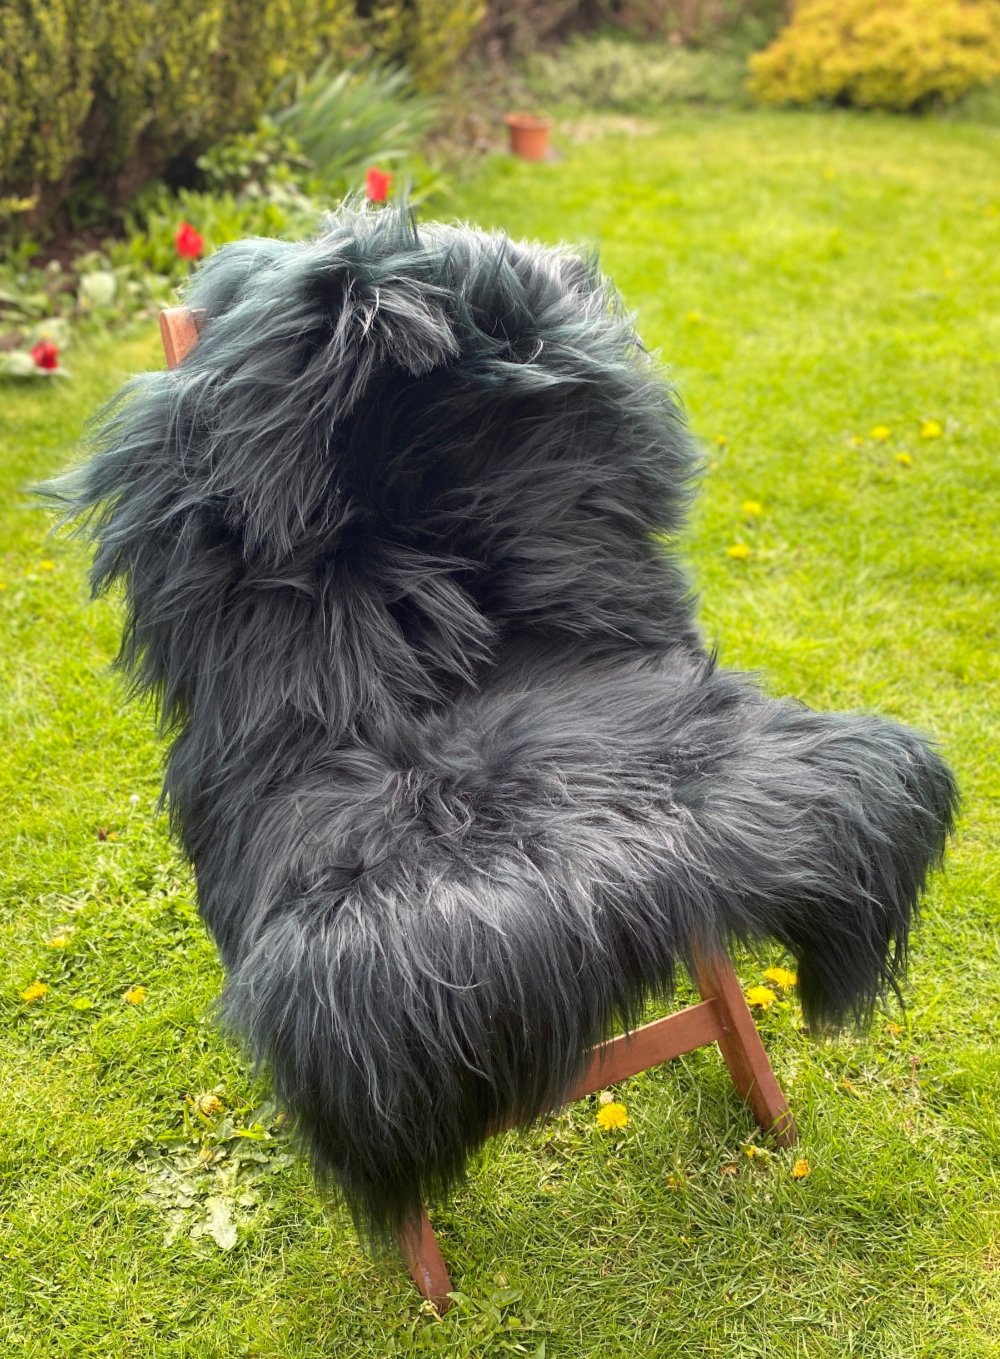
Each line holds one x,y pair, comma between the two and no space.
377,185
189,243
46,356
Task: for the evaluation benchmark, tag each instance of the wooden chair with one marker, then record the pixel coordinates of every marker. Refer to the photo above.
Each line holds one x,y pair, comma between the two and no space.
722,1017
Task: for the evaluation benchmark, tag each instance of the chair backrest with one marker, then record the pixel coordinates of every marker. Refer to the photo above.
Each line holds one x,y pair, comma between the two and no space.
180,328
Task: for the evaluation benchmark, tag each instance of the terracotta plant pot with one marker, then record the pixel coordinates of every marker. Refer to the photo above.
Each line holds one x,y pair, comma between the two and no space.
529,136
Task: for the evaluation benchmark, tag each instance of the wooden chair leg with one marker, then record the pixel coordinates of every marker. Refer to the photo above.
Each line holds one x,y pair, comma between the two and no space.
742,1048
724,1017
420,1250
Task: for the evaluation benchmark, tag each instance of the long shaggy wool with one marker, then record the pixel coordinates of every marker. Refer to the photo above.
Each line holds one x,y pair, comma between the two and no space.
459,780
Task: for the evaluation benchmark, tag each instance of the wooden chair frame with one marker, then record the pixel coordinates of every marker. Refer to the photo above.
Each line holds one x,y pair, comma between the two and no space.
722,1017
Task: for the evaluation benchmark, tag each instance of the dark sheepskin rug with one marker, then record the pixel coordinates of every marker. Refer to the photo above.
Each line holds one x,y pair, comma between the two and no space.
459,779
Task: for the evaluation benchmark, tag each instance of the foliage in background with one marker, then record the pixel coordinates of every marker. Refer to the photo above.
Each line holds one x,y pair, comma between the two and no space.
138,272
256,183
701,23
426,36
887,54
254,161
612,74
518,28
981,105
99,96
343,121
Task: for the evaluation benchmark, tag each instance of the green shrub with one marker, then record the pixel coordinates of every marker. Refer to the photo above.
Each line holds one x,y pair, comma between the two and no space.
889,54
518,28
981,105
153,218
701,22
253,161
426,36
98,96
610,73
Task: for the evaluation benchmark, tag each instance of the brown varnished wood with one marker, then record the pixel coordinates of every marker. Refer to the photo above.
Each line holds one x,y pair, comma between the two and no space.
179,327
722,1017
742,1048
420,1250
660,1041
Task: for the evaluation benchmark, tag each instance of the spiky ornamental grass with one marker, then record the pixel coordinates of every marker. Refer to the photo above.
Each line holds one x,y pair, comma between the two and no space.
459,780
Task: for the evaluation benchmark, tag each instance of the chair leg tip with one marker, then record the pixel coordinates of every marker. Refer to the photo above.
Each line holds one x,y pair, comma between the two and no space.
783,1129
420,1250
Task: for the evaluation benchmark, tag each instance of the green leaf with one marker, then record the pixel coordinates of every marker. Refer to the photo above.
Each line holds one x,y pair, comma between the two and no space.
219,1224
99,288
504,1297
19,364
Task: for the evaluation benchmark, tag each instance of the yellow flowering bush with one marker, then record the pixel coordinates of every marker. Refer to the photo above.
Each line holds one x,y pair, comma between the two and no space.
887,54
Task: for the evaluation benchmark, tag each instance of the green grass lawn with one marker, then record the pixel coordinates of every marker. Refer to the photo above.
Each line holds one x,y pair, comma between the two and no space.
807,280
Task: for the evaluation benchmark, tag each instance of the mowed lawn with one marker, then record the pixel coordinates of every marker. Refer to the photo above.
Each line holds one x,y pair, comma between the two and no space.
825,292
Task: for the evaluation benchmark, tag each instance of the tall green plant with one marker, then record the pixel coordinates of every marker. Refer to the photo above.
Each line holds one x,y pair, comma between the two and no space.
346,120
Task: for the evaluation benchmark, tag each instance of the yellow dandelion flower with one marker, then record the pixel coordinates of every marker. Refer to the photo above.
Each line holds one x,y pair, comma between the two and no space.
751,1151
46,566
894,1028
761,996
880,433
753,508
695,317
855,441
35,991
801,1168
931,429
57,941
738,551
904,459
613,1115
135,995
781,976
721,440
